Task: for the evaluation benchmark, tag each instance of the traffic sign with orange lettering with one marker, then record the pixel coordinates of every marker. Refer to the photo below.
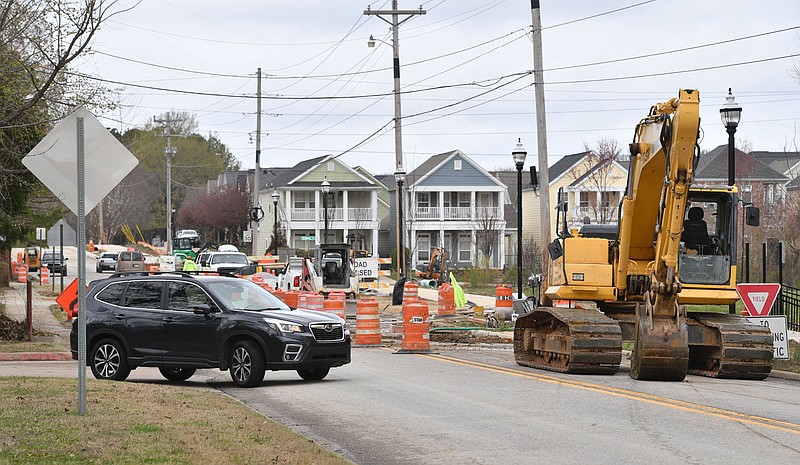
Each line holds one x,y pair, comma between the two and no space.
758,298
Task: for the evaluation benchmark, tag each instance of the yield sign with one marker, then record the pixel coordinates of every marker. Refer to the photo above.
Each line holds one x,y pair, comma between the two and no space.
758,298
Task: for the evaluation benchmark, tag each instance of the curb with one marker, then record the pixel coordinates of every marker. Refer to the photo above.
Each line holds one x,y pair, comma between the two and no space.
35,356
788,375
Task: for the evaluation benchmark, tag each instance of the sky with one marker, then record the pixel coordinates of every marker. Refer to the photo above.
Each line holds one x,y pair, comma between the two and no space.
465,81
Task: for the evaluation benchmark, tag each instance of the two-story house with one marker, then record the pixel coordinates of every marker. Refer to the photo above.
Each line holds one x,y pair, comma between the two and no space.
350,213
452,202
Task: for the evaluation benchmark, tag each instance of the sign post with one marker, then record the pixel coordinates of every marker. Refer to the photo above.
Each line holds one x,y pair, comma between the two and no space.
758,299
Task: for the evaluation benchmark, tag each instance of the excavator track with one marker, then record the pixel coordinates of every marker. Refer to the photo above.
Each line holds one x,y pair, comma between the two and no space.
741,350
568,340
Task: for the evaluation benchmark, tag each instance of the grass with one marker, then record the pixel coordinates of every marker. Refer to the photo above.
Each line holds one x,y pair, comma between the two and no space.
793,364
134,423
54,345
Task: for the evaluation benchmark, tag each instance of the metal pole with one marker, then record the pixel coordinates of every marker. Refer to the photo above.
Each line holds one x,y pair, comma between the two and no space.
541,129
275,227
81,272
519,231
257,175
747,262
63,260
325,209
731,155
401,253
763,262
780,277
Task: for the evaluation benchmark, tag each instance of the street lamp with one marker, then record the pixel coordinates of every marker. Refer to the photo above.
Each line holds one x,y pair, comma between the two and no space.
400,178
275,197
730,114
326,189
519,153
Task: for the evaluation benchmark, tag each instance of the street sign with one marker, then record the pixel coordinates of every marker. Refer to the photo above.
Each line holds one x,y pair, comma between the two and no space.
758,297
365,268
54,160
68,300
780,338
41,234
247,235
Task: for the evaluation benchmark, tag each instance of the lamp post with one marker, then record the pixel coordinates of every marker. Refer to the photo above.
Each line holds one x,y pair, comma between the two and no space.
519,153
275,197
400,178
326,189
730,113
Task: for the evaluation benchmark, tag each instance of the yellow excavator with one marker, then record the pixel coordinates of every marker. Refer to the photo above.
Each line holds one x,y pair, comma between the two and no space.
632,282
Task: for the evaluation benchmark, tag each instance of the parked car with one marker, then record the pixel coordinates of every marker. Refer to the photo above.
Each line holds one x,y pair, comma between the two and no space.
130,261
190,234
227,262
291,278
181,323
55,262
106,261
202,260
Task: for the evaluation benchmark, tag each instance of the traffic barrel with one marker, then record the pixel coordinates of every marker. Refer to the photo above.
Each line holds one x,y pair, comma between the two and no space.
502,296
280,293
447,300
368,322
22,273
336,295
14,266
315,301
291,298
416,328
44,275
257,278
410,291
336,307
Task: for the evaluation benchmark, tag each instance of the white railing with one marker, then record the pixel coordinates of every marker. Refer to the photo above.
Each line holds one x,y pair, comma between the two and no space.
457,213
359,214
426,213
303,214
486,213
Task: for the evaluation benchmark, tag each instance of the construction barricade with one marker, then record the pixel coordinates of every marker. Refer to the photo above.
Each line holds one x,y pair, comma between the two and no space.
368,322
416,328
503,296
447,300
22,273
410,291
315,302
337,295
291,298
335,307
44,275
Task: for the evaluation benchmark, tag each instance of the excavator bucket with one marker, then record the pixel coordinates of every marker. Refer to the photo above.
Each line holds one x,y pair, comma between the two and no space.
661,350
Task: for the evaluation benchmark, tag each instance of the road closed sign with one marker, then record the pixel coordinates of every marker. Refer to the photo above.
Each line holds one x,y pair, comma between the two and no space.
780,338
365,268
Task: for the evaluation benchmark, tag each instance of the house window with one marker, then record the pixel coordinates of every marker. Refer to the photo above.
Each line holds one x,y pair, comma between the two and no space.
304,200
330,166
464,248
484,199
769,194
423,247
423,199
463,199
747,194
584,200
456,165
448,244
605,199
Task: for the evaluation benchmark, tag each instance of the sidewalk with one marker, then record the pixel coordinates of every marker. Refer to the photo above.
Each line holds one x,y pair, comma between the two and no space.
43,319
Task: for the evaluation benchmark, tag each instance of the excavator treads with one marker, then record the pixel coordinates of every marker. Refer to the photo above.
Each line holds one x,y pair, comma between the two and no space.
744,350
568,340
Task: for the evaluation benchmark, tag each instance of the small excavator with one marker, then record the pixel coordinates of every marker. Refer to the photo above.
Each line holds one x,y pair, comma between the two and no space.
634,281
436,269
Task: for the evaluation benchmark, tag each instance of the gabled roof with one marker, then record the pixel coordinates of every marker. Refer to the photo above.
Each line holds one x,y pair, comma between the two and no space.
291,173
432,165
781,162
713,166
793,184
594,168
564,164
294,176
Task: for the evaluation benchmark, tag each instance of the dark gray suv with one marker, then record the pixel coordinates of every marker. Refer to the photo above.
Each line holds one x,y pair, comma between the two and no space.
180,322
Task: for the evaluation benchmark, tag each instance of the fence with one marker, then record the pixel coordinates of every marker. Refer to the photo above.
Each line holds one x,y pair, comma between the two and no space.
789,305
788,302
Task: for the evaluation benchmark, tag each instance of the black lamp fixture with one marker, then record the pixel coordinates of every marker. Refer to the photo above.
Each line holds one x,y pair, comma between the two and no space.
400,179
730,113
326,190
519,153
275,198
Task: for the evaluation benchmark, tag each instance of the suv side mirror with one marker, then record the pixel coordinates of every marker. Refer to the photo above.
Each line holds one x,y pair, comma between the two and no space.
201,309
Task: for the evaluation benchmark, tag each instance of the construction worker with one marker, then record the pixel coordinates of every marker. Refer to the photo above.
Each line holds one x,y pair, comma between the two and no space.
189,264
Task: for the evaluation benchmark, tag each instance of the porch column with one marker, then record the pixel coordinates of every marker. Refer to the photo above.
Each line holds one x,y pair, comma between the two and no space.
472,215
374,248
474,245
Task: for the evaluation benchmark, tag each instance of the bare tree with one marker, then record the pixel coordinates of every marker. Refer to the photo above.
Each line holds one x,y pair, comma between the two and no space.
599,163
489,230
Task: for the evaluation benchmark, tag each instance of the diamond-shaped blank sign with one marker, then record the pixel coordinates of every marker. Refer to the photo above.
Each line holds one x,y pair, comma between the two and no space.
54,160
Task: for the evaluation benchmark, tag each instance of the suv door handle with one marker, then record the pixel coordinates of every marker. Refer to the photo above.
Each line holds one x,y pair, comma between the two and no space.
168,319
119,316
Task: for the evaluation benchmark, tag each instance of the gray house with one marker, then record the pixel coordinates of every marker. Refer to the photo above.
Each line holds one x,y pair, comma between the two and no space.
452,202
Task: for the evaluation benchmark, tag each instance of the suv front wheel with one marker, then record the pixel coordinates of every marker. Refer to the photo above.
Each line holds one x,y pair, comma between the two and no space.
108,361
246,364
314,375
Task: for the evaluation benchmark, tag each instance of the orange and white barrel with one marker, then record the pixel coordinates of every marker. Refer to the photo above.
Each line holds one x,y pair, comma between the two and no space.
315,301
336,307
416,327
291,298
336,295
368,322
22,273
410,291
503,296
447,300
44,275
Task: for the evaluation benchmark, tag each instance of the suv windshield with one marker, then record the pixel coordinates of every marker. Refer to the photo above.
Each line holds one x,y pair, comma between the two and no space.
241,294
229,258
51,257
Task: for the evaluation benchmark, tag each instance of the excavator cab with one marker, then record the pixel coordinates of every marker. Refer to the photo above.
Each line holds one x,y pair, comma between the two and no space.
708,238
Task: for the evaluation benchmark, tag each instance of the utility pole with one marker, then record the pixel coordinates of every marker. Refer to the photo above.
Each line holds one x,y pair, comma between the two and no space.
541,130
395,22
255,218
169,152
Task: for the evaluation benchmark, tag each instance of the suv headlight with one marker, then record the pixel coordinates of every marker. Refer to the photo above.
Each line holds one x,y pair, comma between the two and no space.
283,326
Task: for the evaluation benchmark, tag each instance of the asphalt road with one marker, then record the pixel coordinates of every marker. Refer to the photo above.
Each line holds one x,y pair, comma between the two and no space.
478,407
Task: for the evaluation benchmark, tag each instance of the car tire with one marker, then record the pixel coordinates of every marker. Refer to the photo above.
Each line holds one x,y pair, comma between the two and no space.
99,270
314,375
108,360
246,364
177,373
